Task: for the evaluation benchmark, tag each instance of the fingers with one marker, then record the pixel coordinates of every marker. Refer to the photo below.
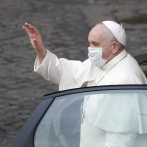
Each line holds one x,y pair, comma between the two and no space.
35,38
35,30
27,25
32,29
26,30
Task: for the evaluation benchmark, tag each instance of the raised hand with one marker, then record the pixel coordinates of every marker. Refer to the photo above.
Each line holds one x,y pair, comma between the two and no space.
36,40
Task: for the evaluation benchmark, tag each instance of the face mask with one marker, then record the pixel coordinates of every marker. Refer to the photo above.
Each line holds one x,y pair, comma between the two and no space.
95,55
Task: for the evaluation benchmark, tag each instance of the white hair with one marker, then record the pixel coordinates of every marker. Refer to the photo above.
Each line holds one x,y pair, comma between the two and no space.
110,37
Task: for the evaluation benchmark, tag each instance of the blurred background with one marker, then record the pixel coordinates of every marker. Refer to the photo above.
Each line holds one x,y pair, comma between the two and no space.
64,26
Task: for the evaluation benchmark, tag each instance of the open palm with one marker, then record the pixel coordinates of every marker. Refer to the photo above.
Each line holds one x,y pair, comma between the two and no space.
36,40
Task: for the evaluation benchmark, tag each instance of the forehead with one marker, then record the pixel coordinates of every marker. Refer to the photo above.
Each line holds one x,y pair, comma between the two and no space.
97,33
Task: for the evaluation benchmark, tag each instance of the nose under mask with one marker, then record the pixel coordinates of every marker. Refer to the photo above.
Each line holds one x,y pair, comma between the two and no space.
95,55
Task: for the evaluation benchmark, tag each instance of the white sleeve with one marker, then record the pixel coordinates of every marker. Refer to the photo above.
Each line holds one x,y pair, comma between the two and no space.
120,139
50,68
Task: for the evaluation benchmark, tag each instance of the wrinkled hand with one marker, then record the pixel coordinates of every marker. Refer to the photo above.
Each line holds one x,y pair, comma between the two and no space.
36,40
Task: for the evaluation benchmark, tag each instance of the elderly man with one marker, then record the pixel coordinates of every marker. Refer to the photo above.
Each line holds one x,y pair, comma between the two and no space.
108,64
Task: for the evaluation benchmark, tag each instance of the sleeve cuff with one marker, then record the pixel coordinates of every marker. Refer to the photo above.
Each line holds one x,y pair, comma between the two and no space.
50,68
37,63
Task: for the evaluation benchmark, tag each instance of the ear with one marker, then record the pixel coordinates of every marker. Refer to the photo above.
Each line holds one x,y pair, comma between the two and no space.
115,48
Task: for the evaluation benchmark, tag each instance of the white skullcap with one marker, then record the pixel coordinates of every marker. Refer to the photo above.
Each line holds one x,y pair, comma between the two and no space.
117,30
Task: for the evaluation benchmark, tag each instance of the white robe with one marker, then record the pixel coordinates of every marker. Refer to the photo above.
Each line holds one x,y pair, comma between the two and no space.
57,71
122,69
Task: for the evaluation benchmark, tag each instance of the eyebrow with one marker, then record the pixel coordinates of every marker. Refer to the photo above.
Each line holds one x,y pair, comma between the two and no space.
95,42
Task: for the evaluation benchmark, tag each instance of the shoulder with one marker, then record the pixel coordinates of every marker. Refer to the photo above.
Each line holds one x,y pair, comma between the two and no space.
128,71
128,65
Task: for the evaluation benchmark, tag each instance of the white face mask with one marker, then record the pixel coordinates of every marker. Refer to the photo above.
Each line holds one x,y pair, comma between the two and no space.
95,55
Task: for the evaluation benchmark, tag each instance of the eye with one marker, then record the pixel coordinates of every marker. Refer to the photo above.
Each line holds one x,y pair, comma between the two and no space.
95,43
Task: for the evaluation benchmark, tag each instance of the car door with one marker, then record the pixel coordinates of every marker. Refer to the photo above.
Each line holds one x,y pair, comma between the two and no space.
57,119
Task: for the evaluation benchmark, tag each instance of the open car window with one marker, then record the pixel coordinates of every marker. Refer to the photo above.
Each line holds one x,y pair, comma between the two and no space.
95,118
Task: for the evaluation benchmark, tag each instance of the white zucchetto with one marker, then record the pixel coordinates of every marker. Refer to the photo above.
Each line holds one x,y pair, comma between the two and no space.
117,30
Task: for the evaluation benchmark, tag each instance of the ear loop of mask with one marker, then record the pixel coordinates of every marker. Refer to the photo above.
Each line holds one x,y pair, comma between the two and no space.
111,54
108,45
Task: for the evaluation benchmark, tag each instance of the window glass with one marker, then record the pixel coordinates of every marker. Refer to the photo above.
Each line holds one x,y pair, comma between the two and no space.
97,118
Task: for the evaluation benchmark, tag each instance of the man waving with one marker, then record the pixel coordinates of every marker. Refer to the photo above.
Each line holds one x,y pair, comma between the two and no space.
108,61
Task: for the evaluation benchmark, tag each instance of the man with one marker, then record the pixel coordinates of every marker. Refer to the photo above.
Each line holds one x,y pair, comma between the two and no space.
108,64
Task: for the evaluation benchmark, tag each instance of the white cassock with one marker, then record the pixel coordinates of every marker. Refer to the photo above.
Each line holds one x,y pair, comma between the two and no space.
122,69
